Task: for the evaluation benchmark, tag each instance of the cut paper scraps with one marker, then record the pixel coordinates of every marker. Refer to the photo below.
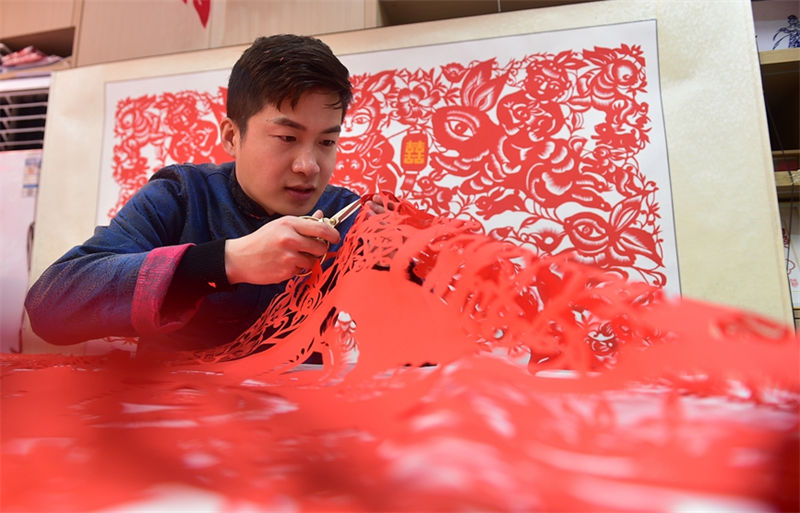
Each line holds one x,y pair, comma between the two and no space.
459,373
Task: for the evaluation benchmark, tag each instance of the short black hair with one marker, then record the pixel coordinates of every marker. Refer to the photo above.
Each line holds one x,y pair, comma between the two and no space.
283,67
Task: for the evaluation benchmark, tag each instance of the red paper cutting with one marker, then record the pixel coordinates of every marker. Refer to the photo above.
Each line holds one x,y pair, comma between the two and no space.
203,8
511,368
542,150
459,373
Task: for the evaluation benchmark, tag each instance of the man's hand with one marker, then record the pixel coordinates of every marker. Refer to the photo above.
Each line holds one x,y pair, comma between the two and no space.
278,250
375,205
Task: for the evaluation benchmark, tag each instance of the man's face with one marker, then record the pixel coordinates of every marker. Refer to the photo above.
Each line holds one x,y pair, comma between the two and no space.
287,156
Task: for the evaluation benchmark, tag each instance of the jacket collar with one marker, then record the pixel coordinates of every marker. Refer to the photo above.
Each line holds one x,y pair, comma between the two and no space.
244,202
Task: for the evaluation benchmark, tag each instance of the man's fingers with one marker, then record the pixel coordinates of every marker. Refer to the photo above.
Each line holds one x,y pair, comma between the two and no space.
317,230
377,204
306,260
313,248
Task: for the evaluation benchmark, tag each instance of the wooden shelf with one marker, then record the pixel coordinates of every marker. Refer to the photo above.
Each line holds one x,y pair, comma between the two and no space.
52,42
787,184
786,160
36,71
779,57
780,75
58,42
401,12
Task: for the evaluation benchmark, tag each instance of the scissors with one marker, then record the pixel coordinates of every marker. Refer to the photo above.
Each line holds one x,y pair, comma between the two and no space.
333,221
339,216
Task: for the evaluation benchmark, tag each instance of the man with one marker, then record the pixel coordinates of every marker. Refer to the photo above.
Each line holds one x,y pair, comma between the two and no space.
193,259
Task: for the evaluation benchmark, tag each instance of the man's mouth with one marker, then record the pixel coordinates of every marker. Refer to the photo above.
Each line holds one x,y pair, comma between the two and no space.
300,192
301,188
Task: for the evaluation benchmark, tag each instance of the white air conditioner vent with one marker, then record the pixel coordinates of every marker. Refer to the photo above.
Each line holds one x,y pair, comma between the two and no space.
23,110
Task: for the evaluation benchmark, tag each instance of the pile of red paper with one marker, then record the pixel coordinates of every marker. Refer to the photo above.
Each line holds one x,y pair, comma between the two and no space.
459,373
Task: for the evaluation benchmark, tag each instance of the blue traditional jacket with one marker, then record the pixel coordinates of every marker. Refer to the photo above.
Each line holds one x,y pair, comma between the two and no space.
116,283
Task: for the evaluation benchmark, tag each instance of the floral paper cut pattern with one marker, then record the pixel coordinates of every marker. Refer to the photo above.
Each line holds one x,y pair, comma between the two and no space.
552,136
541,150
152,130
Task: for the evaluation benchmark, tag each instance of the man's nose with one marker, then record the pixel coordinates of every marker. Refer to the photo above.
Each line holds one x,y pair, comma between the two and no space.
305,162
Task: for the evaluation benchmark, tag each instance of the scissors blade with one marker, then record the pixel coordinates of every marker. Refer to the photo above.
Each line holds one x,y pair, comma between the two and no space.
344,213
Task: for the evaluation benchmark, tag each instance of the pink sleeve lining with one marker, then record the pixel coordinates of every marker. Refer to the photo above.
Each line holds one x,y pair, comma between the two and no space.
152,284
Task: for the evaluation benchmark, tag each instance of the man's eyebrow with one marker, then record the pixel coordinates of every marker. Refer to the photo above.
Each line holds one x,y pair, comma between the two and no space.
284,121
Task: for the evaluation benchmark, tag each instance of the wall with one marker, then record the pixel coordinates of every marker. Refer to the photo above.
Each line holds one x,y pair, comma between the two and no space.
19,172
113,31
20,17
106,31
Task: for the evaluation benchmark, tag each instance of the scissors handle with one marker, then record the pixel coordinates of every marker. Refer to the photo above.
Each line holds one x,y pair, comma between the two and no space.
333,221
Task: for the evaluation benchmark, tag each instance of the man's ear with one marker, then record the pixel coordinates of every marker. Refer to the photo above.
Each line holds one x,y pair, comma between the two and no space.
230,136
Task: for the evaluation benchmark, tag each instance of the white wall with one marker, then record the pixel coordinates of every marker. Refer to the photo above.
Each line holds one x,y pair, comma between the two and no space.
19,172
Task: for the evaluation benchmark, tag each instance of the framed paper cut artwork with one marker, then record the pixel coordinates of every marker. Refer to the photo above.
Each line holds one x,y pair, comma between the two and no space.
150,123
554,141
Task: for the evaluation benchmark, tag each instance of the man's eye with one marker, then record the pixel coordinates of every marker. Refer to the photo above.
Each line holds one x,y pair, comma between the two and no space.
329,142
286,138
